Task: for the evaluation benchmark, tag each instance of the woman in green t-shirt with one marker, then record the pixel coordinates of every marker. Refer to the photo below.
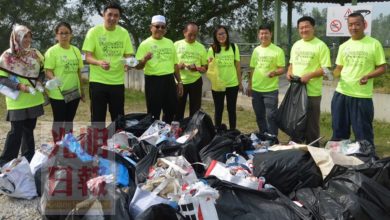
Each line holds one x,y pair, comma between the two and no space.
20,68
226,57
63,63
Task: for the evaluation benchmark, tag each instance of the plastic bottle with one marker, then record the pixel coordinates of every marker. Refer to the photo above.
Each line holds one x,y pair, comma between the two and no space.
175,129
328,73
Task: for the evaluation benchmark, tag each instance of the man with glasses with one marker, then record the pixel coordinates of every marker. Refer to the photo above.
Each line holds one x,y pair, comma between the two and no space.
359,61
106,46
308,58
157,57
192,57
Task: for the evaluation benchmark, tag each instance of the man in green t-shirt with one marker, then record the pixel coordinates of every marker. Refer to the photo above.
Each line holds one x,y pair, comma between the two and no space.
267,64
192,58
307,59
157,57
359,61
106,46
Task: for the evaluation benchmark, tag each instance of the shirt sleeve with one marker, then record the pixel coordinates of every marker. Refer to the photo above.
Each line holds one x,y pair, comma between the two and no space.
88,44
252,63
128,46
281,59
324,56
379,54
237,54
50,60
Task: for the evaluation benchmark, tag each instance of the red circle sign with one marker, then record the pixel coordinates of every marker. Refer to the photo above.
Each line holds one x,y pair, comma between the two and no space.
335,25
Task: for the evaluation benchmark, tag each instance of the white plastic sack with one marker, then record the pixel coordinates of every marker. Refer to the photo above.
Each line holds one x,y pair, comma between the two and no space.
142,200
38,160
155,132
10,93
16,179
201,205
220,171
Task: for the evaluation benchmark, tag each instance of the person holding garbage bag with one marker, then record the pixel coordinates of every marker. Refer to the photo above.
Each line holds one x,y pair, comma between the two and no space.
307,59
157,56
225,75
359,61
267,64
63,63
20,70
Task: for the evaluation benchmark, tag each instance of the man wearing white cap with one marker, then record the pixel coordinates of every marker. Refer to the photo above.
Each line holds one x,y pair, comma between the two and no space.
157,57
105,46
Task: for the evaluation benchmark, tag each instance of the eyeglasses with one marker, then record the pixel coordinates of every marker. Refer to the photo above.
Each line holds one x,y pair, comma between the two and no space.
162,27
221,34
64,34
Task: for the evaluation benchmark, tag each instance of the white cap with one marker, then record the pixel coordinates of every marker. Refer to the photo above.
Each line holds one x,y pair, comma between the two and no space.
158,19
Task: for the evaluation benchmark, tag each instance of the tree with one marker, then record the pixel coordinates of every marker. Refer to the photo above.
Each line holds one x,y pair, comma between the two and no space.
41,17
379,31
138,13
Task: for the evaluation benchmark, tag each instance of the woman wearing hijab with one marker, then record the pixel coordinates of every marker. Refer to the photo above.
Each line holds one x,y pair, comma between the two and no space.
63,63
19,70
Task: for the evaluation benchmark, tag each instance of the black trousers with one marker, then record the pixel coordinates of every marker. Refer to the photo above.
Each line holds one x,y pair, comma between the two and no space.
161,94
21,135
63,115
102,95
231,94
194,92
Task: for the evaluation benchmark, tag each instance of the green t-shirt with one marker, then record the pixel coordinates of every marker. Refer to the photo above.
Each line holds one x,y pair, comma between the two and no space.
65,64
24,100
307,57
163,59
190,53
225,63
265,60
358,58
110,46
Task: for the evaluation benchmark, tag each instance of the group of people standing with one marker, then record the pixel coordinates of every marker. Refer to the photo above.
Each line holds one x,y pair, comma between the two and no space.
173,73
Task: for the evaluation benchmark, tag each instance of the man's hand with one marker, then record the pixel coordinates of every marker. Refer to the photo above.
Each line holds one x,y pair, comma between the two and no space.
249,91
289,76
364,80
305,79
271,74
147,57
180,89
104,64
181,66
24,88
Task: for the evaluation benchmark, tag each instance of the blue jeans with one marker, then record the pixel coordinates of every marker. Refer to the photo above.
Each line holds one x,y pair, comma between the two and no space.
265,105
358,112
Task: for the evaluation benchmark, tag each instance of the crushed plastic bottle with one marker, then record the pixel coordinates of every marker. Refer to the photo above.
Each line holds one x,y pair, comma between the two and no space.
328,73
130,61
53,84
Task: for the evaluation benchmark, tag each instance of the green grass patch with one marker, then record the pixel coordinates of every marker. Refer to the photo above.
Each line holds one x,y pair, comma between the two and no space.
246,120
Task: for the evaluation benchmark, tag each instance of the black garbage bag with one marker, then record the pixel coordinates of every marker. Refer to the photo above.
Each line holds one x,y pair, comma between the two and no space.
367,152
216,150
160,212
291,114
379,171
351,195
136,123
287,170
240,203
142,167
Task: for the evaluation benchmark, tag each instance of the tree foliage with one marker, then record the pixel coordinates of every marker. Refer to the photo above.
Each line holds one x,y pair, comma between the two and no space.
138,13
41,17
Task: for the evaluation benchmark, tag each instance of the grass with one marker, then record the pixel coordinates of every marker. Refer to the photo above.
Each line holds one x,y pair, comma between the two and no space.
246,122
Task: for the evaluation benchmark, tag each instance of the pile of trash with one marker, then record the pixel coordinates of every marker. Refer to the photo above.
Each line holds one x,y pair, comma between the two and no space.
147,169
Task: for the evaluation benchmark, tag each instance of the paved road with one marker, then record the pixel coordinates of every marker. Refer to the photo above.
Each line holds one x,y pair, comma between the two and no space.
381,101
